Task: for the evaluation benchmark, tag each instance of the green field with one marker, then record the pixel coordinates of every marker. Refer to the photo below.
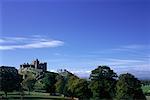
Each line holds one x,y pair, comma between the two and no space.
32,96
46,96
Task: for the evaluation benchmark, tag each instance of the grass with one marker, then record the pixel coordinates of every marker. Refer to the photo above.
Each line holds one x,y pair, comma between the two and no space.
46,96
33,96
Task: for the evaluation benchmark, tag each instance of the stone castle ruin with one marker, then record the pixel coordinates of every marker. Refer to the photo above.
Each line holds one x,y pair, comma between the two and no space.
36,64
36,68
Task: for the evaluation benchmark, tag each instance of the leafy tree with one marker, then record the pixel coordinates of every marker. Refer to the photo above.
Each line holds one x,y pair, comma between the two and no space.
60,84
71,86
79,88
39,85
29,83
49,81
102,83
9,79
63,79
129,88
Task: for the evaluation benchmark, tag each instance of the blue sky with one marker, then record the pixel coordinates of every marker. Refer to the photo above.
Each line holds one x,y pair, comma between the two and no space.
77,35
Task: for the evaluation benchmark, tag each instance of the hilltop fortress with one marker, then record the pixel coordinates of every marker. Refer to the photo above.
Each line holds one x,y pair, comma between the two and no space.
36,68
35,65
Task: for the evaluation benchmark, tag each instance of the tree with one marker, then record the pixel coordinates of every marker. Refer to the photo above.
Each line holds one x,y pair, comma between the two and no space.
71,86
79,88
39,86
129,88
29,83
64,78
49,81
60,84
9,79
102,83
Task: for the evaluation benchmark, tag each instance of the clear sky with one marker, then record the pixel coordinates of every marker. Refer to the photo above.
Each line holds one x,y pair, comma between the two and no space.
77,35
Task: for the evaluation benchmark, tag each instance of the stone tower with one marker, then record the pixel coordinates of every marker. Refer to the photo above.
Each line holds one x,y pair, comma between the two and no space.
36,63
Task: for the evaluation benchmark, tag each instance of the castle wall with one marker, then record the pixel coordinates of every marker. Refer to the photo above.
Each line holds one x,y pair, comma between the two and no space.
35,64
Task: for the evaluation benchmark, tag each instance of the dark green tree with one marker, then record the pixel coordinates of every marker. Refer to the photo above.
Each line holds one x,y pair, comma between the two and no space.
9,79
29,83
63,80
49,81
129,88
79,88
39,86
60,84
103,83
71,86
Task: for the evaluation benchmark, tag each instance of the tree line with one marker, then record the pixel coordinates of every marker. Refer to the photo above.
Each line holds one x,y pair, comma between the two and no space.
103,83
